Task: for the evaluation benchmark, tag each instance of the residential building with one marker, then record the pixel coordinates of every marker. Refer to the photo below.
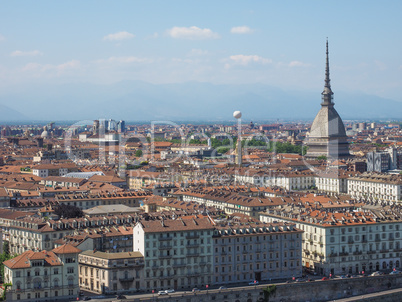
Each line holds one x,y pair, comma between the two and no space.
341,241
177,253
245,252
43,276
111,273
376,187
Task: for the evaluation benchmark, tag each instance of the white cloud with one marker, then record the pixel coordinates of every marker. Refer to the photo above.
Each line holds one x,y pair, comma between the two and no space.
19,53
59,69
192,33
247,59
298,64
123,60
241,30
197,52
122,35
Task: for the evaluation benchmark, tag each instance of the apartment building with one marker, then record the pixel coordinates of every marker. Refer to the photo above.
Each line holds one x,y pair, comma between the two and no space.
111,273
245,252
45,170
178,253
376,187
229,201
44,275
30,233
88,200
347,240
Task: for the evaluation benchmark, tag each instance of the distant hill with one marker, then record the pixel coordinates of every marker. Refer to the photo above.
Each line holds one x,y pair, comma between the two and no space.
135,100
7,114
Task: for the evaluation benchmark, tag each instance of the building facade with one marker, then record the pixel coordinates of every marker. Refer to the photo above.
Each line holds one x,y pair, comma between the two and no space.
43,276
111,273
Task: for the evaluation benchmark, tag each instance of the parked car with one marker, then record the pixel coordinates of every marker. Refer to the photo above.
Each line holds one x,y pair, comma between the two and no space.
86,298
162,292
121,297
324,278
170,291
395,272
195,290
255,282
222,287
299,280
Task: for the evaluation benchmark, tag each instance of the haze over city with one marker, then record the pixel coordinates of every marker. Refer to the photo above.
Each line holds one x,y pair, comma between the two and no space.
197,60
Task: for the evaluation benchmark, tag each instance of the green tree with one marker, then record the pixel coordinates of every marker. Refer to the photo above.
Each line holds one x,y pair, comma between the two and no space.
138,153
322,157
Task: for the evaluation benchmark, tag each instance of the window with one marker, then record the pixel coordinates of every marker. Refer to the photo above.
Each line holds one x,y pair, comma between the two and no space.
70,270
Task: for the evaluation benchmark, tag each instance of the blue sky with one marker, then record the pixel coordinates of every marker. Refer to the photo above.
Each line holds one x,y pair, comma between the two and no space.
278,43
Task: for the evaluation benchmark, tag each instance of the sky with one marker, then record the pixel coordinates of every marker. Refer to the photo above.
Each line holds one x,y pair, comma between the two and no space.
277,43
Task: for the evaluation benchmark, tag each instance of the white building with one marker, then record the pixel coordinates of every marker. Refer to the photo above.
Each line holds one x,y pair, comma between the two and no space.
376,187
342,242
43,276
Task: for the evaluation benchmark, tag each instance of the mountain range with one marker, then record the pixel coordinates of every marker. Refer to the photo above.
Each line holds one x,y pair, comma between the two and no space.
191,101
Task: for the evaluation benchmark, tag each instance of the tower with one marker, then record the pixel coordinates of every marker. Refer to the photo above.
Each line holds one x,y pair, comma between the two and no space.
327,134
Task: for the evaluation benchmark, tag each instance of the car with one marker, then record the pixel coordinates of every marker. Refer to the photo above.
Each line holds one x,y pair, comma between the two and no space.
299,280
343,277
86,298
310,280
195,290
170,291
162,292
121,297
255,282
222,287
324,278
395,272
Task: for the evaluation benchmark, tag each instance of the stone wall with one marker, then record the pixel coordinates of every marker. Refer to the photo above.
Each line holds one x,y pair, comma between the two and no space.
293,292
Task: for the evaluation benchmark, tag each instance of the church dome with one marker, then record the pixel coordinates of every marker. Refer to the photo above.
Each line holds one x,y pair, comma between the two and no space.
44,134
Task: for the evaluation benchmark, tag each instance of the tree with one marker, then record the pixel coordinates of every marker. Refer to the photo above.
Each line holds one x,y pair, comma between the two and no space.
6,248
68,211
322,157
3,257
138,153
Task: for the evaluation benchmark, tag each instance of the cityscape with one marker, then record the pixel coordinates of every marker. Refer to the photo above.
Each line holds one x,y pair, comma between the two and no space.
190,159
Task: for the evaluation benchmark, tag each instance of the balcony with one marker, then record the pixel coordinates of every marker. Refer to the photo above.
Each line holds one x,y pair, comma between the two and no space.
351,241
165,256
126,279
192,274
371,252
178,264
384,251
165,246
193,236
193,254
343,253
333,255
357,252
165,238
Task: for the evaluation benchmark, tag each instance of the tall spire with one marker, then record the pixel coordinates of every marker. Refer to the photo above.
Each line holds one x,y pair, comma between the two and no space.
327,80
327,92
